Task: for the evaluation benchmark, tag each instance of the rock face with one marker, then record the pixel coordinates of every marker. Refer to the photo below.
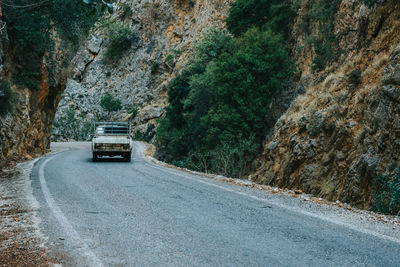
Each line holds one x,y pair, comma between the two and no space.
338,136
166,31
25,131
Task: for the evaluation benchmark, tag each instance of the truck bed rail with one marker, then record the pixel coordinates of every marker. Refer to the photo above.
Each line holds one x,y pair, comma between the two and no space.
112,128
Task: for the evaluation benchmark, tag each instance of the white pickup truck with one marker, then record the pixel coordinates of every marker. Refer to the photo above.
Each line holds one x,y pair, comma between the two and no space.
112,139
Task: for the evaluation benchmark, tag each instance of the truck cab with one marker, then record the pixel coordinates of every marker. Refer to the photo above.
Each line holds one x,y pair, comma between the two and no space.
112,139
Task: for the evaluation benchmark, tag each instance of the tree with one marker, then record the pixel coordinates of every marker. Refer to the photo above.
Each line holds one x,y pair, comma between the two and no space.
110,103
242,84
275,14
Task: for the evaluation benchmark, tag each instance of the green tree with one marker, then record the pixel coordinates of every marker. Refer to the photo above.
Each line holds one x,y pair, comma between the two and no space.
30,25
120,39
216,118
242,85
245,14
180,132
110,103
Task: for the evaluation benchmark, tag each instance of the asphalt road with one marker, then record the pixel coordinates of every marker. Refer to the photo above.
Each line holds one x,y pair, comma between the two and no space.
115,213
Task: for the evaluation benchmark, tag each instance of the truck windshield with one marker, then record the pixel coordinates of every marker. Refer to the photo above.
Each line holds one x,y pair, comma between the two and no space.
112,128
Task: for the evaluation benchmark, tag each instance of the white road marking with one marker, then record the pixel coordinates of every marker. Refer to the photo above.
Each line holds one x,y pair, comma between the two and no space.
279,205
70,232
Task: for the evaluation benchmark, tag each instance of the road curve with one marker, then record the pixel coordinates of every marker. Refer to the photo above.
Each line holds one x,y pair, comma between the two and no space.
114,213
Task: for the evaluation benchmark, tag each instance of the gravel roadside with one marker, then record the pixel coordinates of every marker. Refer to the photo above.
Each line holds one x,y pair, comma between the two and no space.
21,242
366,221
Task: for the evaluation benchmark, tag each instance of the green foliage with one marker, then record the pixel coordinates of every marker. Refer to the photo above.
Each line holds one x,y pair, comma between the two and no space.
275,14
109,103
215,120
120,39
155,67
74,126
30,25
126,11
355,77
179,132
7,97
242,84
169,61
386,194
369,3
319,23
132,110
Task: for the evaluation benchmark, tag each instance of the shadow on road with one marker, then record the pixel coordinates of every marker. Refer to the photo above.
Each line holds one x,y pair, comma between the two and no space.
106,159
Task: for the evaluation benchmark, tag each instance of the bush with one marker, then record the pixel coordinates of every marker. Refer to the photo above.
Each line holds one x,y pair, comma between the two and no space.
180,132
386,194
355,77
245,14
369,3
126,11
120,39
155,67
109,103
219,101
7,97
241,86
30,25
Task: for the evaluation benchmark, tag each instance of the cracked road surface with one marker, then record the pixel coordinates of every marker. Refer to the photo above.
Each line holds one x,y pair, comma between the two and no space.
114,213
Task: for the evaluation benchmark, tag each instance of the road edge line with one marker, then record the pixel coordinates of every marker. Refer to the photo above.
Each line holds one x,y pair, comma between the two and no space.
63,221
280,205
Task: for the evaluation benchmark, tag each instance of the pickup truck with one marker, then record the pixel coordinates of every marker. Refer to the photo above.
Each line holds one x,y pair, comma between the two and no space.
112,139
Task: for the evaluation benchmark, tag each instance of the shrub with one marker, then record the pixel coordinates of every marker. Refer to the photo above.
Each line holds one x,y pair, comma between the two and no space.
221,99
155,67
109,103
7,97
120,39
132,110
30,25
355,77
245,14
180,132
126,11
241,86
369,3
386,194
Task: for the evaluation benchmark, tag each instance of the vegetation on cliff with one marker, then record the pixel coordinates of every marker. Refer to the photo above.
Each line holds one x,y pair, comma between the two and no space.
386,194
33,28
110,103
7,97
216,118
120,39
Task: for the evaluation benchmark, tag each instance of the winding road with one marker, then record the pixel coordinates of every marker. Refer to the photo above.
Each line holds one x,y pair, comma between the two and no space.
113,213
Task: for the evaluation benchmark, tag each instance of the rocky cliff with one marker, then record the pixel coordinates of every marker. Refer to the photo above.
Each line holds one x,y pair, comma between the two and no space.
25,130
345,129
165,33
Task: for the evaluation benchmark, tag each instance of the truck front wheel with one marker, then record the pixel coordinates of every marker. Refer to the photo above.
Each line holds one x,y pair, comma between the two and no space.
95,157
127,157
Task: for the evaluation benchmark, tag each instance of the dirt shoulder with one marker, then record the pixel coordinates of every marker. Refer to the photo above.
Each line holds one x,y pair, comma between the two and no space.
21,242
